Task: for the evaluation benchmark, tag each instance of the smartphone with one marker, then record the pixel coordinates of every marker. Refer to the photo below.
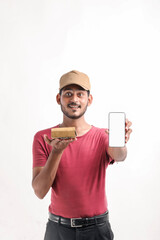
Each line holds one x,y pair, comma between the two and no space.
116,123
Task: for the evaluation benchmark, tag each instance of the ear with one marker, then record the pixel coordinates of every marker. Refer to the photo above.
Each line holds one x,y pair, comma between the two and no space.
58,98
90,99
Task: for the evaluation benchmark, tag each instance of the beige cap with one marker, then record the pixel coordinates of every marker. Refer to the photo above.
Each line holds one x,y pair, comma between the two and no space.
75,77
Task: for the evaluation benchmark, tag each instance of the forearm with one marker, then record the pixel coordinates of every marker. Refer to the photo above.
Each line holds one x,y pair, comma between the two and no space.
117,153
44,180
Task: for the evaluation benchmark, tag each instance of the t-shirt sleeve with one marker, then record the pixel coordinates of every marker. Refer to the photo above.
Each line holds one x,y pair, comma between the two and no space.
106,142
40,153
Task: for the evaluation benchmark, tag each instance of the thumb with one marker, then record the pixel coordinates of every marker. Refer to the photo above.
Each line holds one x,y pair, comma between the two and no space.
47,140
107,131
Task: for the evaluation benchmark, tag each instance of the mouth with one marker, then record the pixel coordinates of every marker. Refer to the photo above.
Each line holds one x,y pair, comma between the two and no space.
73,106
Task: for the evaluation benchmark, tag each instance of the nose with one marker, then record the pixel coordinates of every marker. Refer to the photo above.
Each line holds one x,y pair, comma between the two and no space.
74,98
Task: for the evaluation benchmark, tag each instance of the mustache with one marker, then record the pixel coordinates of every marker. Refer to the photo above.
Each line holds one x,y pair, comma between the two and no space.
73,104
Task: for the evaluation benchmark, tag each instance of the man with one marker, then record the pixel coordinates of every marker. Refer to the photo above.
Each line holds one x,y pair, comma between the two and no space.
75,168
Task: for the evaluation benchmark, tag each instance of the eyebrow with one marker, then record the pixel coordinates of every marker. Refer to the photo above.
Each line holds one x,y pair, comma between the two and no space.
67,88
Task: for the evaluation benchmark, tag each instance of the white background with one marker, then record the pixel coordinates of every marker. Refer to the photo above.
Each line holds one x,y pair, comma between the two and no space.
117,43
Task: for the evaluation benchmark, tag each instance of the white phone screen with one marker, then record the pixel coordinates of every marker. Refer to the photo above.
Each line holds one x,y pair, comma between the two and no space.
117,129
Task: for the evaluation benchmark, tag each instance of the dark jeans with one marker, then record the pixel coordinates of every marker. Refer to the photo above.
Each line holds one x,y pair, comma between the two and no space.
57,231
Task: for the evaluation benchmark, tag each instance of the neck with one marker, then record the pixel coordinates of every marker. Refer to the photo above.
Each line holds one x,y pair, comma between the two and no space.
77,123
80,124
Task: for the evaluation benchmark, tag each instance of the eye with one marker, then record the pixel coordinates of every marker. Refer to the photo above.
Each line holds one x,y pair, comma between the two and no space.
80,94
68,94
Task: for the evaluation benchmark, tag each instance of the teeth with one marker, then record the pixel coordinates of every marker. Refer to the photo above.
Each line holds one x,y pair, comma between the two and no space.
73,106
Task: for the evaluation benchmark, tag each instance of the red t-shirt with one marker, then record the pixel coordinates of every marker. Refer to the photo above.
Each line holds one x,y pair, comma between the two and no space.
79,186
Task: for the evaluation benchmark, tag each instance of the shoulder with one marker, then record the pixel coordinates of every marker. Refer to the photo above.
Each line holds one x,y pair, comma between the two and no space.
100,134
99,131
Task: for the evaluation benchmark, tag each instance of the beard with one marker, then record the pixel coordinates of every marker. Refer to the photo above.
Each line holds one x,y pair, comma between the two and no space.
72,116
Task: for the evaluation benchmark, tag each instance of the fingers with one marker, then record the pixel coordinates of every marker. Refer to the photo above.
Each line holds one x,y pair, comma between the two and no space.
127,135
128,130
66,140
47,140
127,124
61,144
58,140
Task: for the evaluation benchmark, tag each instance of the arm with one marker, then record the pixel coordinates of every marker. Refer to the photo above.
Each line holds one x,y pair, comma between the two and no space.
43,177
120,153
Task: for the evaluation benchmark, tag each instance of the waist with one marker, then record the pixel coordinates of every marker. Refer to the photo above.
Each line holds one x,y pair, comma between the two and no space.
71,204
79,222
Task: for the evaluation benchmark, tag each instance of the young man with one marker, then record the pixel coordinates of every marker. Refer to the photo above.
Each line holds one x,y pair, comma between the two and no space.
75,168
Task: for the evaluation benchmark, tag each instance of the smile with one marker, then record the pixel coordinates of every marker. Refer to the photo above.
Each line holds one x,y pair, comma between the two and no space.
74,106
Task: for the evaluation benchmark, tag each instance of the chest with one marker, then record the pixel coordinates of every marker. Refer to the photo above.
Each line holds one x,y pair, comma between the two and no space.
80,154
